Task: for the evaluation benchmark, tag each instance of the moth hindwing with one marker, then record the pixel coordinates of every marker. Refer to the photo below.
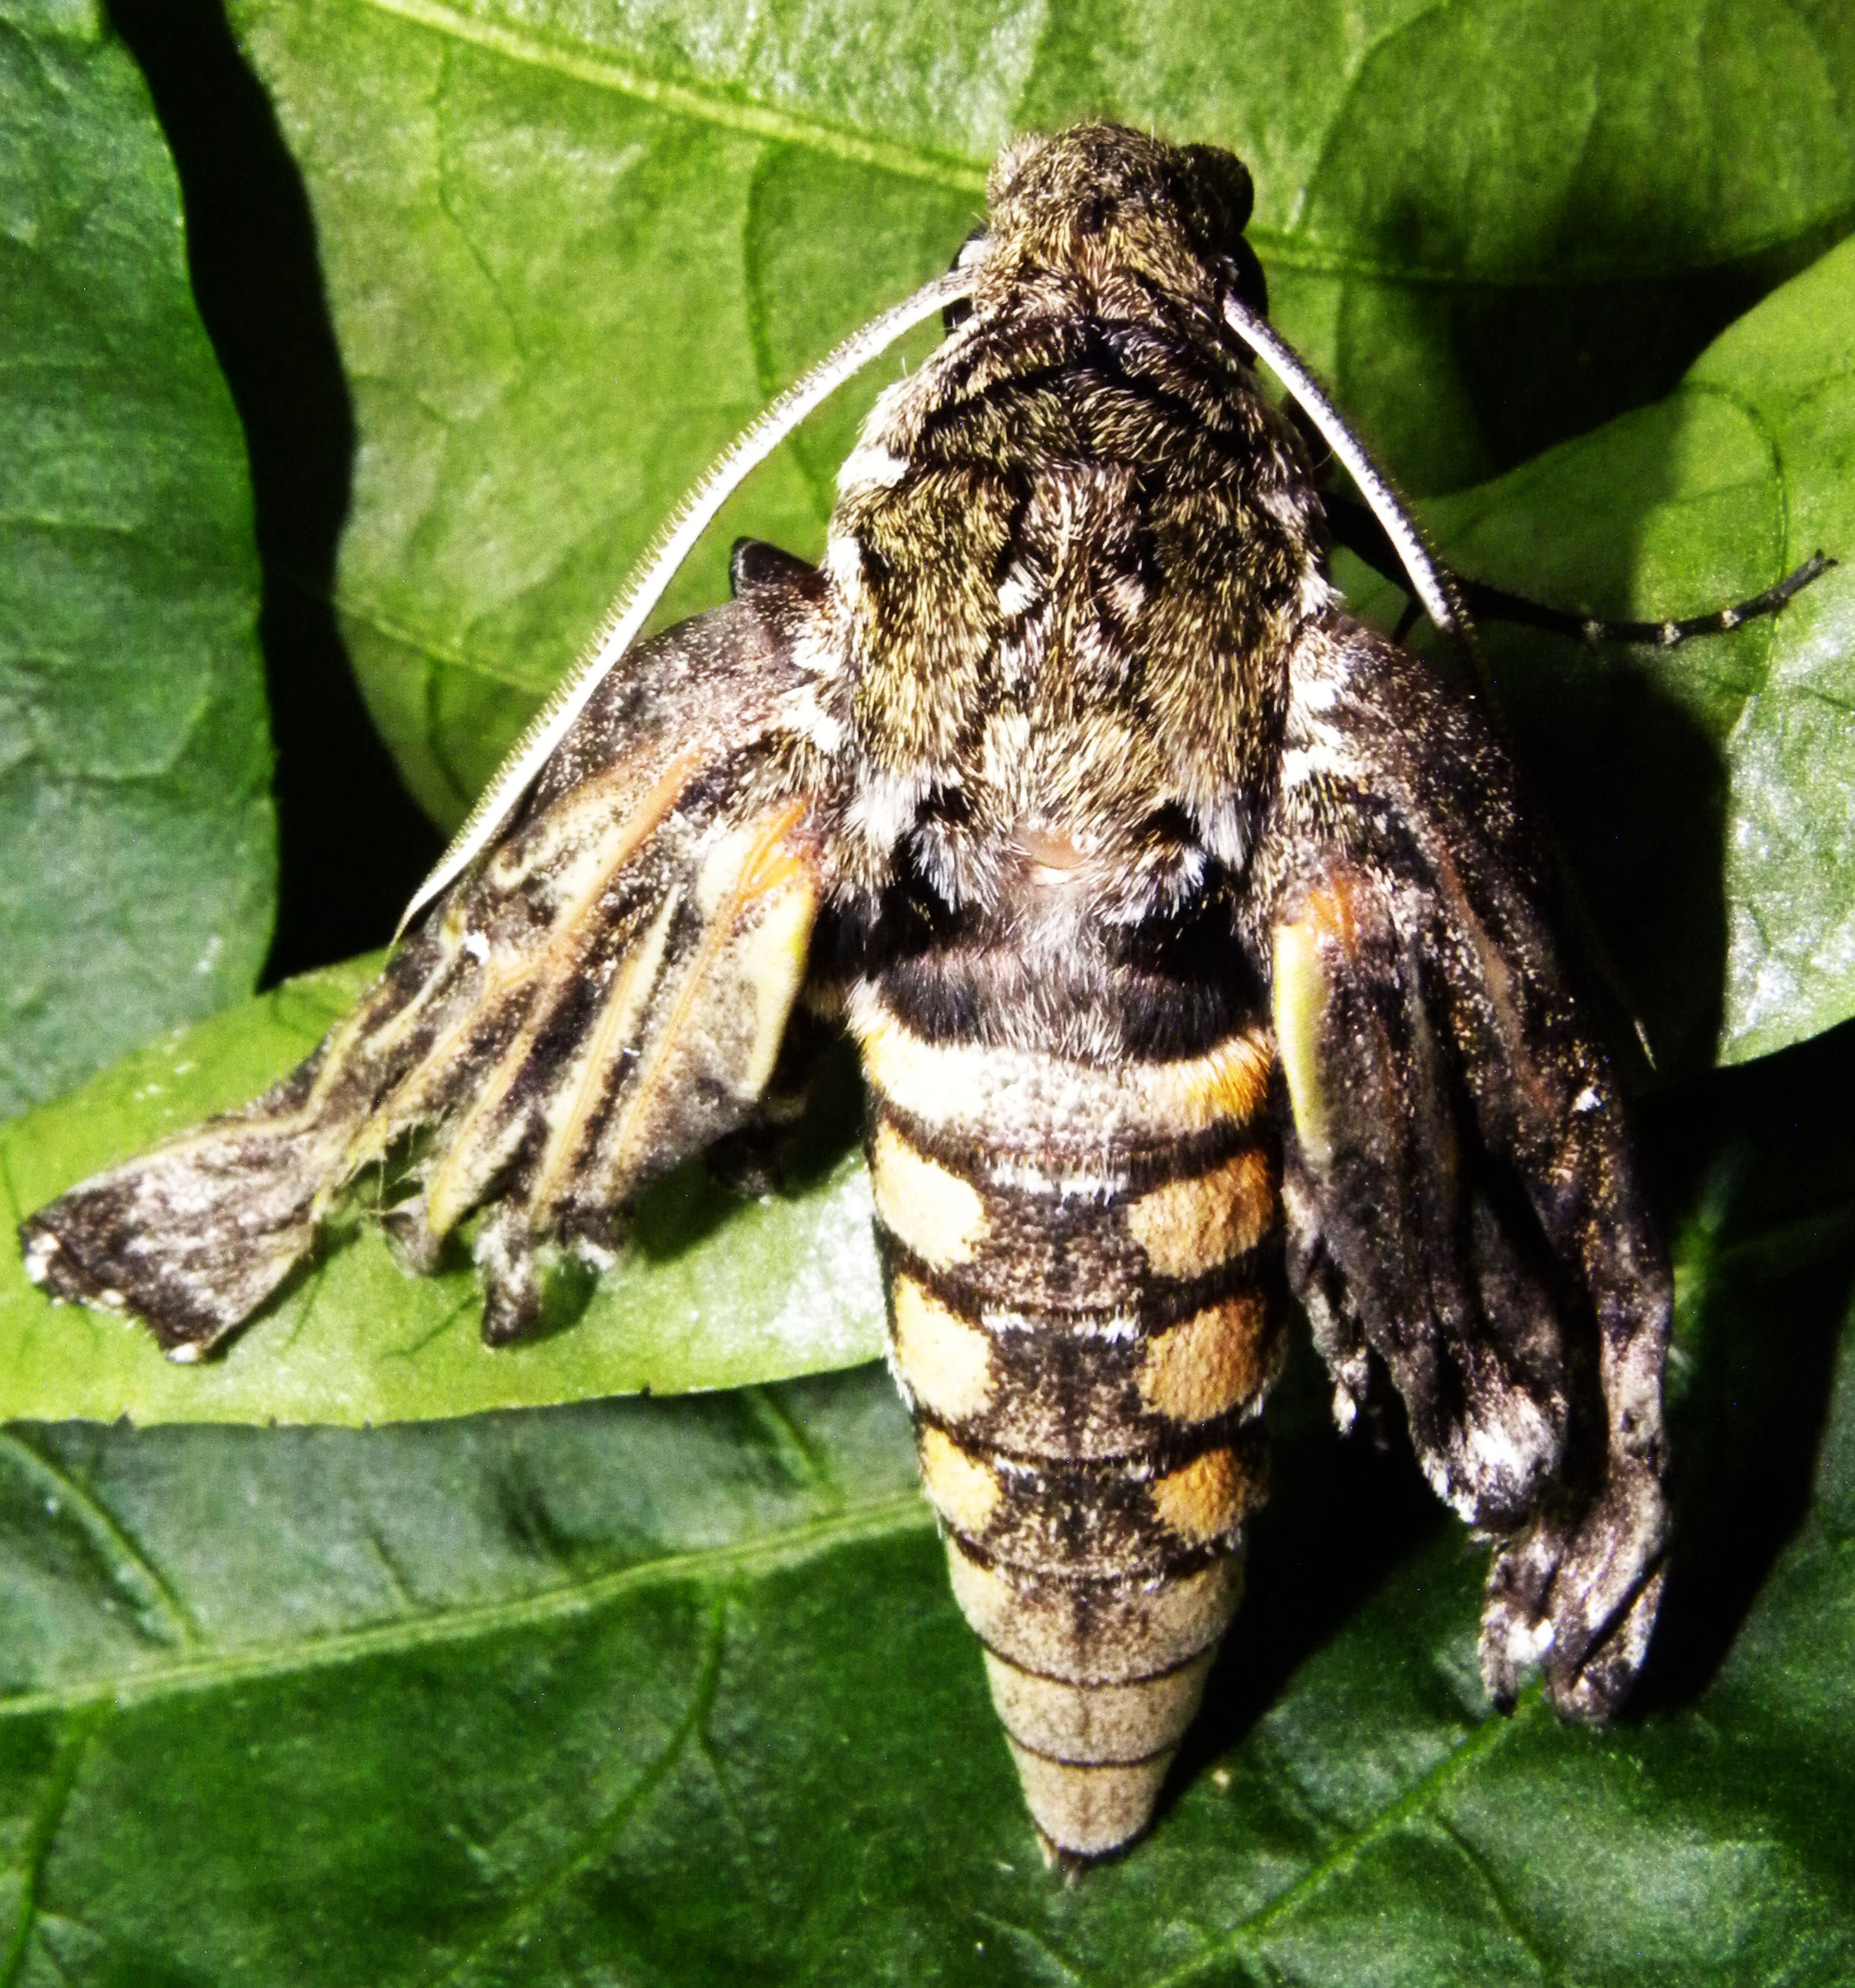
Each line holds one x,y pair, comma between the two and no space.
1195,945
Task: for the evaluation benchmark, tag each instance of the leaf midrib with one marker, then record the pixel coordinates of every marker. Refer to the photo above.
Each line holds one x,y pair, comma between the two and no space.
714,107
851,1525
1281,248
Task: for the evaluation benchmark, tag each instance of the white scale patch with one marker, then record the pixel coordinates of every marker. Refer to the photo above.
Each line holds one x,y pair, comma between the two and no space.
1026,1175
1290,510
1224,831
804,717
1315,749
885,808
1319,692
1303,763
870,465
39,1255
1127,595
1006,751
1016,592
1497,1458
1525,1643
1098,658
1118,1327
843,563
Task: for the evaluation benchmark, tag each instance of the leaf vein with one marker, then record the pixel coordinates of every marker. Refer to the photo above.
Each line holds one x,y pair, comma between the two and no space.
1346,1851
710,107
129,1566
600,1834
879,1518
1549,1968
44,1831
1341,116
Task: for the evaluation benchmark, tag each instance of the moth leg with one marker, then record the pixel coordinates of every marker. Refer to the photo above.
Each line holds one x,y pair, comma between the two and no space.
1321,1291
1354,525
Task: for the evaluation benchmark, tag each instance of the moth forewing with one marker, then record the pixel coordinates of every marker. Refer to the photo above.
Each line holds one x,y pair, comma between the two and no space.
1065,784
601,996
1470,1209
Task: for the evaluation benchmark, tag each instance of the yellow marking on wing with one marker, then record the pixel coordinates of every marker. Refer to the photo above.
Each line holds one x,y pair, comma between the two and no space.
777,863
1209,1363
960,1488
551,846
358,1022
944,1362
938,1215
1204,1499
450,1188
1301,996
613,1035
504,973
776,956
380,1037
1188,1227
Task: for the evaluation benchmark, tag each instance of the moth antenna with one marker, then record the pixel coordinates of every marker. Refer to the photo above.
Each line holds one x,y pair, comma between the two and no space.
628,613
1430,582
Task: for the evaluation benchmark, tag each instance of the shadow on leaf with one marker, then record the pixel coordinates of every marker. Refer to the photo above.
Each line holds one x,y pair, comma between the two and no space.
354,845
1758,1158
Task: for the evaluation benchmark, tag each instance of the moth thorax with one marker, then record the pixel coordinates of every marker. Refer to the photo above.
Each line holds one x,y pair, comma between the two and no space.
1082,1275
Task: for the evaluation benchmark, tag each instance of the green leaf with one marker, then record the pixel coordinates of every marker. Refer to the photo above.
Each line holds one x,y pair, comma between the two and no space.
1703,793
139,884
674,1692
708,1292
570,251
1708,494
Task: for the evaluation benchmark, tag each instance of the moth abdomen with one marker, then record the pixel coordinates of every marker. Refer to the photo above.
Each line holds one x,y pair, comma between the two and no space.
1085,1318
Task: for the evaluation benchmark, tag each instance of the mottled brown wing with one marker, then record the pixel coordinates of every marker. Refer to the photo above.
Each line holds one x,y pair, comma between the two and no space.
602,995
1461,1194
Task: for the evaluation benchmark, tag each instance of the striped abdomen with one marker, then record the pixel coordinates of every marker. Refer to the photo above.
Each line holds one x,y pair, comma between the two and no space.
1082,1275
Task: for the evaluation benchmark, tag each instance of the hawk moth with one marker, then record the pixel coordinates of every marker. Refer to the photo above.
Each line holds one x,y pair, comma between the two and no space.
1194,941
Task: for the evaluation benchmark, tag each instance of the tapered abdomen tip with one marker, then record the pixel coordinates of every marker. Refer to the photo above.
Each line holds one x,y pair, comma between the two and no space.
1092,1757
1086,1812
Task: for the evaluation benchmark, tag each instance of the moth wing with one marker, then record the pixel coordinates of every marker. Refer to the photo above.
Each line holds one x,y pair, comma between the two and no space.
1461,1191
604,994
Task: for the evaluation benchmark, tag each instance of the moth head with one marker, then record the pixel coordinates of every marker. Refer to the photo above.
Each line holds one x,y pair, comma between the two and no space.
1098,200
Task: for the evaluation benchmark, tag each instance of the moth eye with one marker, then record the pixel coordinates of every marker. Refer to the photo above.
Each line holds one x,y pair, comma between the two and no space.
1219,196
1227,194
